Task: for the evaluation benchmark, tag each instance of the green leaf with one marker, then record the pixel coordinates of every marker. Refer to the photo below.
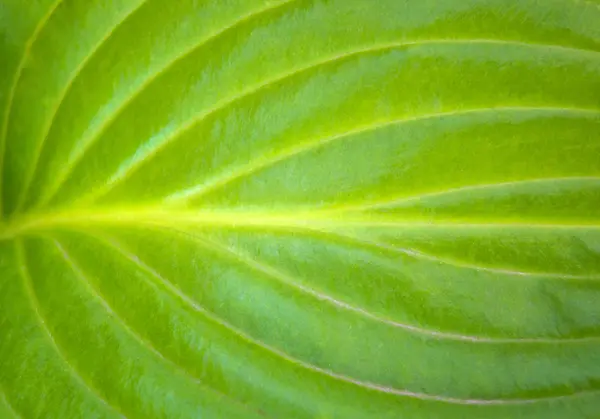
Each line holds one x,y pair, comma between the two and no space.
300,209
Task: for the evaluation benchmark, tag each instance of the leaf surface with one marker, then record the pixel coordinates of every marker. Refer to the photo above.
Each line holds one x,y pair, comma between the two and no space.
300,209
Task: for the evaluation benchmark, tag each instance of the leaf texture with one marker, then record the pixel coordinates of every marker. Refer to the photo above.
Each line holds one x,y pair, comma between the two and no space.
300,209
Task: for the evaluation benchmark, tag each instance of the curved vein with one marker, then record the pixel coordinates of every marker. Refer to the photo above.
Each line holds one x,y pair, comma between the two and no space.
259,163
394,201
152,147
28,176
417,254
271,272
13,89
322,371
80,275
87,141
8,405
274,274
30,290
589,3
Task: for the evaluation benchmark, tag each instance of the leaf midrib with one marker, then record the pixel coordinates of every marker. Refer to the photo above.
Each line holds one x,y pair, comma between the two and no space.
305,219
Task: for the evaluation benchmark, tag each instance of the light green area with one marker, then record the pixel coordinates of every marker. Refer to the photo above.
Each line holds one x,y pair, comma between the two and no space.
308,209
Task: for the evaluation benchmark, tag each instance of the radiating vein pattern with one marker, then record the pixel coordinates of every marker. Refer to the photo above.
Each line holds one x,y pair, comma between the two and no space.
300,209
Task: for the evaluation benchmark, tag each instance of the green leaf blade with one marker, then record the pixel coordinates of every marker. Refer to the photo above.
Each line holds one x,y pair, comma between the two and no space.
300,208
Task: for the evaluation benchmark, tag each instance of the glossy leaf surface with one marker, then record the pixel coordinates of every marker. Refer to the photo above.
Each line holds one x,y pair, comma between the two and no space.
300,209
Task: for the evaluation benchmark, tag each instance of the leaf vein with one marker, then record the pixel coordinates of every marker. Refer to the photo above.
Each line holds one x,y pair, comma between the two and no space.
308,220
143,341
393,201
268,271
13,90
30,290
85,143
258,164
29,175
322,371
417,254
8,404
147,150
